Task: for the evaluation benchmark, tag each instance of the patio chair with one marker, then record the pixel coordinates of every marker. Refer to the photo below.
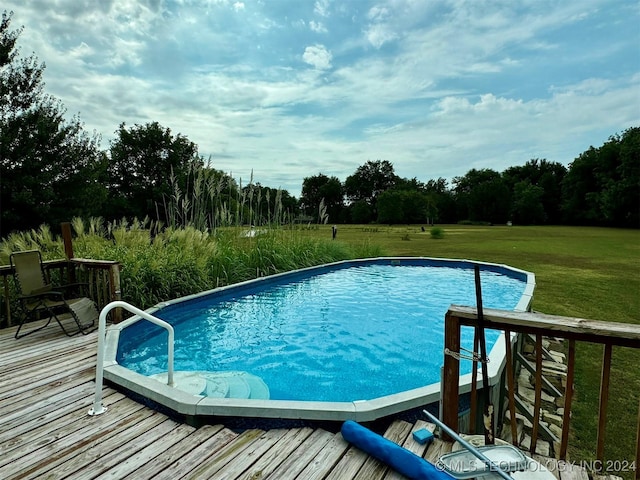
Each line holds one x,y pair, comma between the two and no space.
39,300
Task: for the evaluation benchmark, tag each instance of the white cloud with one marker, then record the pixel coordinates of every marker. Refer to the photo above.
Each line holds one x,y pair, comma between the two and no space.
317,56
81,51
378,13
379,34
321,7
317,27
238,6
385,21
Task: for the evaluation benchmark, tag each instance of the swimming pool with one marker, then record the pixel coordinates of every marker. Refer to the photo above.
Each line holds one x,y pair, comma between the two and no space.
324,343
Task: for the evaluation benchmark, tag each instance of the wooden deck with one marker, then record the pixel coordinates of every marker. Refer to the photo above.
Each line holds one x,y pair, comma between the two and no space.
46,389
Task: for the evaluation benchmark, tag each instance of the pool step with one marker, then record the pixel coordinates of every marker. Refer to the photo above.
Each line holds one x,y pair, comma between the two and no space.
241,385
190,382
224,384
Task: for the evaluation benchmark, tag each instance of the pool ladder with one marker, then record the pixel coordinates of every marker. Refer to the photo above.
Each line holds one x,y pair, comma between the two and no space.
98,408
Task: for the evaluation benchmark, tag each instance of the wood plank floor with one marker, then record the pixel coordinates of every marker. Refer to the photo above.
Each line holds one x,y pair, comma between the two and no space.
46,389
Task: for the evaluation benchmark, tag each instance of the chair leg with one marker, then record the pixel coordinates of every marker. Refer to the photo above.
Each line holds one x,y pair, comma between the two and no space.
24,319
62,326
84,329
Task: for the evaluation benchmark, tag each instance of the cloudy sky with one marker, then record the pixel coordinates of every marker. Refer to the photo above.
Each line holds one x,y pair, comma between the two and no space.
293,88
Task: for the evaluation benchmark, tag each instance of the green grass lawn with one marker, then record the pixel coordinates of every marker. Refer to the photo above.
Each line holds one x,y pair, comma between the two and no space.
591,273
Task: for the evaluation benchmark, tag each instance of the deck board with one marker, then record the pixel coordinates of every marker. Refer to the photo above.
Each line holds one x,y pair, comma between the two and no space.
413,446
326,459
349,465
240,463
374,469
170,458
232,450
293,466
65,444
43,426
117,449
47,387
289,442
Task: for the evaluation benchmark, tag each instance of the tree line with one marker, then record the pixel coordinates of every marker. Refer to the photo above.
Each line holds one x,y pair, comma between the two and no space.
52,170
600,187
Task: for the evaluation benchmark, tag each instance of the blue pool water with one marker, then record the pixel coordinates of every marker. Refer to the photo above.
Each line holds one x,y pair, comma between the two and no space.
348,334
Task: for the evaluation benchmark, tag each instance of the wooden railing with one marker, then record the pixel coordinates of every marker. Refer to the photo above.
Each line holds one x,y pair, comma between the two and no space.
101,276
609,334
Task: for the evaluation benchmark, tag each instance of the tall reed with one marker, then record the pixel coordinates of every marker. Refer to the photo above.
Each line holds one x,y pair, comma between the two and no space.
213,200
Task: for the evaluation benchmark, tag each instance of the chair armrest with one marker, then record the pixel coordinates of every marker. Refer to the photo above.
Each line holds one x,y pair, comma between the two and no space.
46,293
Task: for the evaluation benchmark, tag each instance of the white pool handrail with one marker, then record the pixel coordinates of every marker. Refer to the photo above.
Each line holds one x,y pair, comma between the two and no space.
98,408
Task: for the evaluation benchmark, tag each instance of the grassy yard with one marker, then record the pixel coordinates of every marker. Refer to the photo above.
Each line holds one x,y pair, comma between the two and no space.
590,273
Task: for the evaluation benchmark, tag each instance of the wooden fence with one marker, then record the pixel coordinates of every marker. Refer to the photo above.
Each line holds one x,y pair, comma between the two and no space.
609,334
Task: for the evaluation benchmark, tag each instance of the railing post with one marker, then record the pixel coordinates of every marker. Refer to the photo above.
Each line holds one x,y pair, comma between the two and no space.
66,238
511,385
604,400
68,251
568,398
115,293
538,394
638,446
451,373
473,411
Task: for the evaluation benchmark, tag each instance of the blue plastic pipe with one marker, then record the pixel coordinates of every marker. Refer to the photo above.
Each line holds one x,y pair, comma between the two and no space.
400,459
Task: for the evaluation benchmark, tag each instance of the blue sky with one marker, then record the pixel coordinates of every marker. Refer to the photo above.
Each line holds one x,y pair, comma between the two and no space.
293,88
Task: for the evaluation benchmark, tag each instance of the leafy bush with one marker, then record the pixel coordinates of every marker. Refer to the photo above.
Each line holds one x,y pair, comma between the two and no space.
436,232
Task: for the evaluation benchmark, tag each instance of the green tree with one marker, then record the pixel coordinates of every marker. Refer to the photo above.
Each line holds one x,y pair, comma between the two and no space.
579,189
50,169
526,206
602,186
290,204
546,175
391,207
321,187
369,181
266,205
442,199
405,205
619,176
482,195
360,212
435,202
147,163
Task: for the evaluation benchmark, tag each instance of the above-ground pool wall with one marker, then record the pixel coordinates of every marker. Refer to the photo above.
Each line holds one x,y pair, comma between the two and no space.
366,410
